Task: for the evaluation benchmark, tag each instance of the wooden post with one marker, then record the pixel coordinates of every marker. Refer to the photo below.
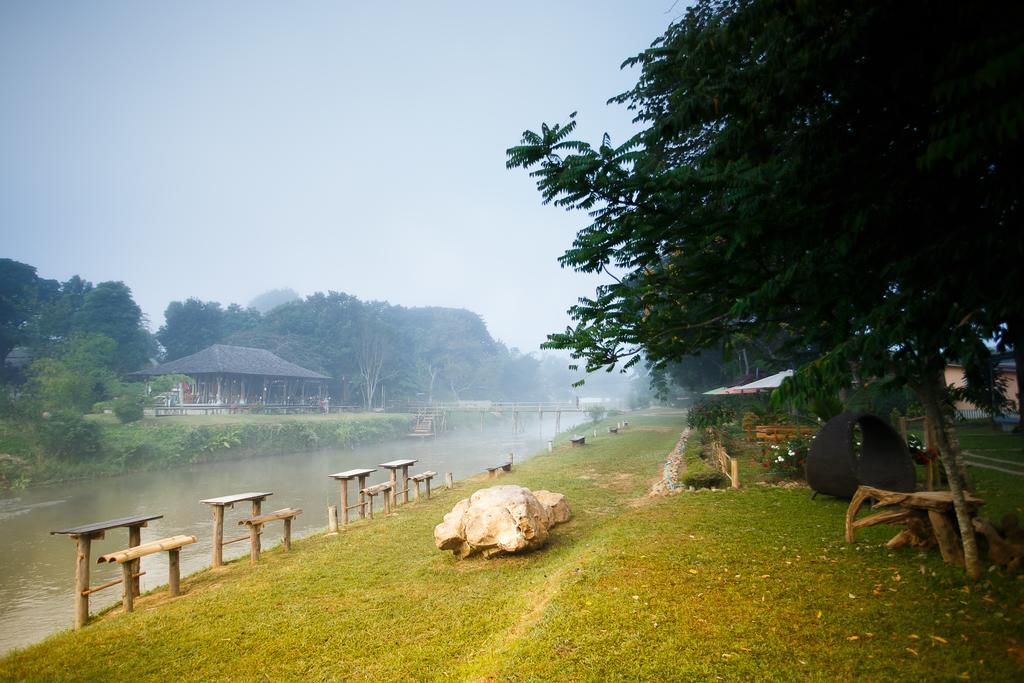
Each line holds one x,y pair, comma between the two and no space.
405,483
344,502
254,543
174,571
129,598
134,539
82,550
218,535
287,533
362,497
370,496
551,446
332,519
254,538
449,480
416,491
734,469
428,488
393,493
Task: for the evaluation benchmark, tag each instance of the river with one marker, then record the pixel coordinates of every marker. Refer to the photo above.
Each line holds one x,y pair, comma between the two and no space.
37,569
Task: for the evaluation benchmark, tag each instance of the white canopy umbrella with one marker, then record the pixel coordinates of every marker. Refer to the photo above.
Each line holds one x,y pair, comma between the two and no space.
763,384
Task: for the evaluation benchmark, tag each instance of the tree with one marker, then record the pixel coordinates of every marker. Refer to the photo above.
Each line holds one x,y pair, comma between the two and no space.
190,327
108,309
271,299
793,175
22,293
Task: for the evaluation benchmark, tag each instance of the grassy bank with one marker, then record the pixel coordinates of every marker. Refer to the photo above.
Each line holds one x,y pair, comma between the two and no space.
155,443
752,584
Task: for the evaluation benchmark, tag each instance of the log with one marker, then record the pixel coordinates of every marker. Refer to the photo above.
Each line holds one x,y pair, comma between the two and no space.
218,535
999,550
134,539
886,517
945,534
171,543
82,549
108,584
288,533
129,595
236,539
332,519
905,537
174,572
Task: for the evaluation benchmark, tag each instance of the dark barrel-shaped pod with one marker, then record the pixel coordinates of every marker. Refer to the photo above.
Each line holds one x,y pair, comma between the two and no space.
835,468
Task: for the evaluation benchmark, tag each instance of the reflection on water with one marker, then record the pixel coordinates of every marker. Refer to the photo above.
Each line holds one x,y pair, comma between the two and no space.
37,570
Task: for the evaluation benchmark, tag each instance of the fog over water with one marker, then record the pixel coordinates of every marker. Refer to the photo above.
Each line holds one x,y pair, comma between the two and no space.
37,570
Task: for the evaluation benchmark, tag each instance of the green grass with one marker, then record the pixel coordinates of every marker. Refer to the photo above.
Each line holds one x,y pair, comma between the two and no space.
740,585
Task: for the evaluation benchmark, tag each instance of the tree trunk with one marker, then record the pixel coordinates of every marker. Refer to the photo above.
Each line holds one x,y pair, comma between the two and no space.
1014,331
931,391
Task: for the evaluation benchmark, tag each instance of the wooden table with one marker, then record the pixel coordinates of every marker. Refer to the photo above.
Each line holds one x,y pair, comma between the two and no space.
344,478
394,466
928,518
218,505
84,536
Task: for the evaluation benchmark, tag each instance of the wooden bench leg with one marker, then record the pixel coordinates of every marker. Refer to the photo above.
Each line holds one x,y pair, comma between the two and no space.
129,594
82,550
416,491
344,502
174,572
218,535
254,543
369,496
134,539
287,534
390,501
427,482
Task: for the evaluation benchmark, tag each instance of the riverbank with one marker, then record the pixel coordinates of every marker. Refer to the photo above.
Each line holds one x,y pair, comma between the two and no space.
749,584
166,442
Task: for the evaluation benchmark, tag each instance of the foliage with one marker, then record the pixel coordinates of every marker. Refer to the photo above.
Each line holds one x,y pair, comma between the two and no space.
705,479
22,292
710,414
128,408
267,301
68,436
785,460
596,413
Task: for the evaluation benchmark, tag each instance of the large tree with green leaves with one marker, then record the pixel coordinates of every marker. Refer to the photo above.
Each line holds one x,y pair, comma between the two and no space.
848,174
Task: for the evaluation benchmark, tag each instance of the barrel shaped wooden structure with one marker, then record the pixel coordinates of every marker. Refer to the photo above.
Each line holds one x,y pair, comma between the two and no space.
835,468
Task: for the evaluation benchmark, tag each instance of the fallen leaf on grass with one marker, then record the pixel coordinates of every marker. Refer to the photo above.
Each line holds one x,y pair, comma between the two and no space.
818,615
853,638
939,639
693,571
912,651
914,636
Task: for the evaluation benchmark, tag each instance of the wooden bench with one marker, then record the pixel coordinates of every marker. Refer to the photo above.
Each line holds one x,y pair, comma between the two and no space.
256,498
493,472
126,558
370,491
424,477
777,433
255,525
578,441
613,430
84,535
928,518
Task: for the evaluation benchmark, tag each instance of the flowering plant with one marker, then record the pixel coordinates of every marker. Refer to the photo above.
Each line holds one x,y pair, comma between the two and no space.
920,454
785,460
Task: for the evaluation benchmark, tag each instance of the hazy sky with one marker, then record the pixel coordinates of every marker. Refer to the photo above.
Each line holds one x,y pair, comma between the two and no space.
218,150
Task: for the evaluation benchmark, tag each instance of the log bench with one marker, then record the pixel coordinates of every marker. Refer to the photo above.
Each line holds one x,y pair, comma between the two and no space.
255,525
393,466
578,441
360,475
424,477
928,518
256,499
370,491
84,535
613,430
126,558
493,472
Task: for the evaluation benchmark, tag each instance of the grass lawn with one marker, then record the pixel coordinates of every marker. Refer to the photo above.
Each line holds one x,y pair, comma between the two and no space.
736,585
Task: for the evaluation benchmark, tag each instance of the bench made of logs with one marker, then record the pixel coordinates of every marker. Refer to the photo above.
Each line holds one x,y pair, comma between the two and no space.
493,472
424,477
927,515
370,491
775,433
126,558
255,525
578,441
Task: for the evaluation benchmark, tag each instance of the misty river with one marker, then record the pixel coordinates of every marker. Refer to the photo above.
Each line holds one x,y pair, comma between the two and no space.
37,570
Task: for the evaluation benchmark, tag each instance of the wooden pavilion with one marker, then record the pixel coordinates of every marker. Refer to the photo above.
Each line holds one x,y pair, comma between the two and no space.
241,376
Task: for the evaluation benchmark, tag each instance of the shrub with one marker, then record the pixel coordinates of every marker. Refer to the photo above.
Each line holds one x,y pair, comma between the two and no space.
710,414
128,409
705,479
786,460
69,436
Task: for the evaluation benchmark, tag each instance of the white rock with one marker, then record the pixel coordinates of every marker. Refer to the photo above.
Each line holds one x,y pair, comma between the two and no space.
500,519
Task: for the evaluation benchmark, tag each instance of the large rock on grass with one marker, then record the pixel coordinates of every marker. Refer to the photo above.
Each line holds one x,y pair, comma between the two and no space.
500,519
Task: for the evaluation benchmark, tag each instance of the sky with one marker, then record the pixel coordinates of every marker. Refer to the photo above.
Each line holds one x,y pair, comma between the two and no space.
218,150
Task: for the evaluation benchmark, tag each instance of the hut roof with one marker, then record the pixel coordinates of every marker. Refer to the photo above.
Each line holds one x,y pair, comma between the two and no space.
231,360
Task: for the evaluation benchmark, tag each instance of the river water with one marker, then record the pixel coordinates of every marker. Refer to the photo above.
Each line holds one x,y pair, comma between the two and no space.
37,570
